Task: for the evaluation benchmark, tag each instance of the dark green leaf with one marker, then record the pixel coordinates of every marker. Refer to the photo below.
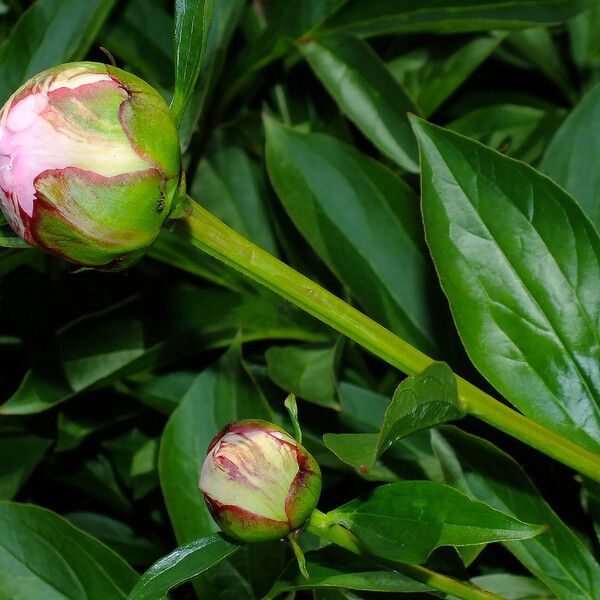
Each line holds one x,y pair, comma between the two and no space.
520,131
432,73
366,92
163,392
192,26
362,220
556,557
406,521
117,535
572,157
306,371
43,556
523,289
222,394
231,188
336,568
183,564
50,32
96,479
173,249
379,17
142,36
287,22
418,403
537,47
19,455
94,351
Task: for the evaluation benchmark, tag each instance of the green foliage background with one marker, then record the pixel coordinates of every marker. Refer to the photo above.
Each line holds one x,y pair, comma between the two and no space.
293,121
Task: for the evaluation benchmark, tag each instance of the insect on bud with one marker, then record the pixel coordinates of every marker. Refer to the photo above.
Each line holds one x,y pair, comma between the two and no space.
89,163
258,482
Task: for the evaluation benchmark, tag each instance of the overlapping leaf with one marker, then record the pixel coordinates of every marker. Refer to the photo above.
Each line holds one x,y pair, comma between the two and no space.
523,287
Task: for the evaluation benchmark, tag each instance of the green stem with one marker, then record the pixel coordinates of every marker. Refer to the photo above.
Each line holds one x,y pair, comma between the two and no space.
220,241
320,525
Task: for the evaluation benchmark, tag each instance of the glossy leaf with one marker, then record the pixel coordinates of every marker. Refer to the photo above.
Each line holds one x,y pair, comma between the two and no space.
43,557
308,372
418,403
380,17
519,131
406,521
192,26
96,350
20,453
366,92
557,557
574,152
431,74
523,289
362,220
50,32
333,567
183,564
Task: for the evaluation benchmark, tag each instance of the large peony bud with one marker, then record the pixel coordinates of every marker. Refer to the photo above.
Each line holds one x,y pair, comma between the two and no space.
258,482
89,163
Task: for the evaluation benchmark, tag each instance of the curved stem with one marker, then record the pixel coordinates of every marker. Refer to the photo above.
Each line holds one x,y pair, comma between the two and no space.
321,526
220,241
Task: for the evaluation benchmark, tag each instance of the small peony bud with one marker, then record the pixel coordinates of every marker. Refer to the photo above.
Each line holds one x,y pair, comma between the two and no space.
89,163
258,482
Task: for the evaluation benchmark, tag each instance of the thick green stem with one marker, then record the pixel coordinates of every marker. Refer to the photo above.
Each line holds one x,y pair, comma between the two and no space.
214,237
320,525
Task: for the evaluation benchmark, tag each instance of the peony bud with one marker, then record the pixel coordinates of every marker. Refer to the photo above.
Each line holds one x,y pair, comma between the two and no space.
89,163
258,482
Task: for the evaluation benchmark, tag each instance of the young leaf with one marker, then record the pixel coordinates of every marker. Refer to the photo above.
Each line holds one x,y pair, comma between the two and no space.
523,288
572,157
192,24
363,222
418,403
43,556
333,567
366,92
181,565
406,521
50,32
557,557
380,17
308,372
